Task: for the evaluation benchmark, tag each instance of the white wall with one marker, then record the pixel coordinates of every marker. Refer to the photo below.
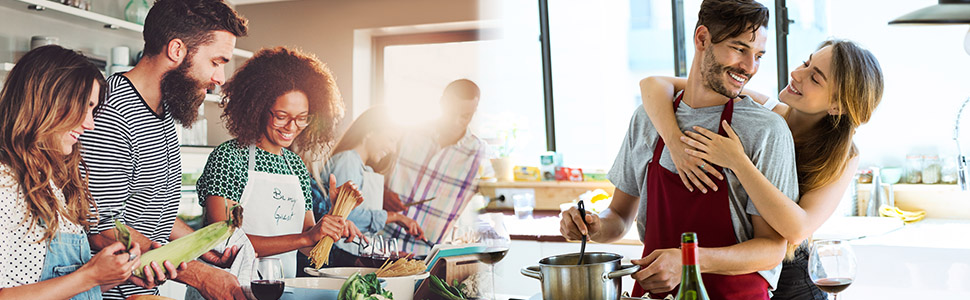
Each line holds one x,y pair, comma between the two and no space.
326,27
926,77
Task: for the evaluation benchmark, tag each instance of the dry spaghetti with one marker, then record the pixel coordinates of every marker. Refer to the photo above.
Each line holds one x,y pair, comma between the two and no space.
401,267
347,199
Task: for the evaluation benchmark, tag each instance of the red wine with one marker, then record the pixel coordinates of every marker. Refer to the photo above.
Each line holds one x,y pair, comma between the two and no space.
267,289
493,255
833,285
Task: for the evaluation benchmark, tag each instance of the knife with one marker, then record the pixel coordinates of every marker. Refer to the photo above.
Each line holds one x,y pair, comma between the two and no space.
418,202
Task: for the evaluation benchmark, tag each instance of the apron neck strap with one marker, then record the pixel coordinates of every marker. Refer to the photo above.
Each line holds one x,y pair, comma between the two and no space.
252,157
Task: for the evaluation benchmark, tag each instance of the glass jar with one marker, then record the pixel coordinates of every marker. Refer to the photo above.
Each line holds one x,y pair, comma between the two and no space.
931,169
914,169
136,11
864,176
949,172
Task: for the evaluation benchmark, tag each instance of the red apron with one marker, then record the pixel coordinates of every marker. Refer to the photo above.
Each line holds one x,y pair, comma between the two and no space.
672,210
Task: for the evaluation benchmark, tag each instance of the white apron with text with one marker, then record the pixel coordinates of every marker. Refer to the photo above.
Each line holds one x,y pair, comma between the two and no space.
273,205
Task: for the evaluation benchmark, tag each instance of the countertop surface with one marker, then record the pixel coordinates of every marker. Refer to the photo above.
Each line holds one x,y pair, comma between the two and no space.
928,233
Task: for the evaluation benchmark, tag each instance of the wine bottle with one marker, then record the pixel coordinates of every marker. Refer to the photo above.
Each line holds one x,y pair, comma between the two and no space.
691,285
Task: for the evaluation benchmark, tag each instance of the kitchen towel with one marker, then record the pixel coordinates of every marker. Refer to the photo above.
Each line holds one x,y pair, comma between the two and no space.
242,266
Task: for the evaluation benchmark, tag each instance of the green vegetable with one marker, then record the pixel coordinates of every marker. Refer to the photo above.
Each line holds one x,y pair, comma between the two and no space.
362,287
188,247
440,287
122,234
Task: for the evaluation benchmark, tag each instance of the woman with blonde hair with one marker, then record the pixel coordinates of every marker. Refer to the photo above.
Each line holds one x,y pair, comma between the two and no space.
830,95
362,156
48,100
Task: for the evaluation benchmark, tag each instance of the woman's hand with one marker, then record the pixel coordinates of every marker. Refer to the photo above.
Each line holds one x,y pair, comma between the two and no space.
410,225
692,169
714,148
351,231
347,185
329,225
113,265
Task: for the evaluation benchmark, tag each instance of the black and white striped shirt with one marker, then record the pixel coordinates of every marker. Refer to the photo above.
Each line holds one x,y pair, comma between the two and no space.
133,151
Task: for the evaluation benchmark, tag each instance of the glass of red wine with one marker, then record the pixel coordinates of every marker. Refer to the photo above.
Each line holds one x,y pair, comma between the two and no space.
267,283
491,231
832,266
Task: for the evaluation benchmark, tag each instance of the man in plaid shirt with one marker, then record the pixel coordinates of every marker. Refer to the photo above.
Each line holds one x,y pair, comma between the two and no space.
440,162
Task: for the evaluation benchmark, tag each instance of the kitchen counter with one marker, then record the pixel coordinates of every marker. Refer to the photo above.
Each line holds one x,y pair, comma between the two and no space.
544,227
930,258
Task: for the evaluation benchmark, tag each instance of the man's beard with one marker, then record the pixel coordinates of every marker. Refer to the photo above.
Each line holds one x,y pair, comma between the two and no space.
182,94
711,72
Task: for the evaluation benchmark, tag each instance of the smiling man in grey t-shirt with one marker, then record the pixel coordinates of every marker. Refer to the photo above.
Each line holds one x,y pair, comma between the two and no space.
740,253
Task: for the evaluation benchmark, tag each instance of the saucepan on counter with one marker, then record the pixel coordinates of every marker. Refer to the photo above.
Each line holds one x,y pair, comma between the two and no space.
598,278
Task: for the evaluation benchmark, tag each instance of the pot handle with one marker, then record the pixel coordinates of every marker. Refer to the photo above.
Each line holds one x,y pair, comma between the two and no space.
531,271
626,270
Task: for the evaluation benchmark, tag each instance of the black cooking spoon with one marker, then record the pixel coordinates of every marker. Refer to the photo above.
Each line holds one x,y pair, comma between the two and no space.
582,214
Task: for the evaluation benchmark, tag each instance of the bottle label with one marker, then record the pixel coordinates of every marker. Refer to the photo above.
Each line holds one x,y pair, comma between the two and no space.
689,253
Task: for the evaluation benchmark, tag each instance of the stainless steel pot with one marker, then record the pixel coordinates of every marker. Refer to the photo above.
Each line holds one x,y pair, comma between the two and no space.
598,278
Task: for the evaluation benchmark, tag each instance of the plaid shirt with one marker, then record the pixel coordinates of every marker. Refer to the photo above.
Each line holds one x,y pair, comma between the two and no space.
423,170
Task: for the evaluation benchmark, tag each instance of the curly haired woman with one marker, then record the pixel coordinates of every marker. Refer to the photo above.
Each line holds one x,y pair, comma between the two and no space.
280,97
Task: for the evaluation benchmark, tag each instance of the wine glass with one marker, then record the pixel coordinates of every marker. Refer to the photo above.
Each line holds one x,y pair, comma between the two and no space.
491,231
832,266
378,249
267,282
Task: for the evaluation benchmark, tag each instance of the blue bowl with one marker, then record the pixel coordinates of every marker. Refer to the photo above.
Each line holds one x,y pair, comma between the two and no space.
312,288
317,288
891,175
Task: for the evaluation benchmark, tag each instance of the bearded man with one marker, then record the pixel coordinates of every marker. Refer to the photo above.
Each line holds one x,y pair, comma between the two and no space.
133,161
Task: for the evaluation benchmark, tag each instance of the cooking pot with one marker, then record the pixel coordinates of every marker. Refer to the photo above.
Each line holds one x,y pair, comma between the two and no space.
597,278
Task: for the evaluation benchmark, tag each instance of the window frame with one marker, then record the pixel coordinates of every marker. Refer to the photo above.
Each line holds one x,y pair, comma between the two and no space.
680,54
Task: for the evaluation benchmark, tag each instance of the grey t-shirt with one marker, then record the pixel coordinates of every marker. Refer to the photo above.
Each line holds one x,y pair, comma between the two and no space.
766,140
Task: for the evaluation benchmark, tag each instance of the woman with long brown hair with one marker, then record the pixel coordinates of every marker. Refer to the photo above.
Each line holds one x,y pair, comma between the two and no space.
830,95
48,100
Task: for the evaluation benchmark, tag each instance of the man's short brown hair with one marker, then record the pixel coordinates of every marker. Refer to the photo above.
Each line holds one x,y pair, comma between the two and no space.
726,19
191,21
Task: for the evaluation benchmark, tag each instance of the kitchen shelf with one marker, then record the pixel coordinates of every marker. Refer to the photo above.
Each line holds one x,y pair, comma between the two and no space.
91,19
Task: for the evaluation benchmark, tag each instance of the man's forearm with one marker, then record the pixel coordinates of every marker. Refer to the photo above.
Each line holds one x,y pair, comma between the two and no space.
107,237
195,273
613,227
179,229
750,256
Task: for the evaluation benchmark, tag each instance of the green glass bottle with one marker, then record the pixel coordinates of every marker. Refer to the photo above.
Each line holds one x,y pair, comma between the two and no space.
691,285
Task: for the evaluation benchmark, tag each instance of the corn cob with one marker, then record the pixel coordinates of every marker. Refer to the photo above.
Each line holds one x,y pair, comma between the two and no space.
193,245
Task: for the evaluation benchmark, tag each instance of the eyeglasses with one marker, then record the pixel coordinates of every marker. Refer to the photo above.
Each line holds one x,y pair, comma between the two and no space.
281,119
